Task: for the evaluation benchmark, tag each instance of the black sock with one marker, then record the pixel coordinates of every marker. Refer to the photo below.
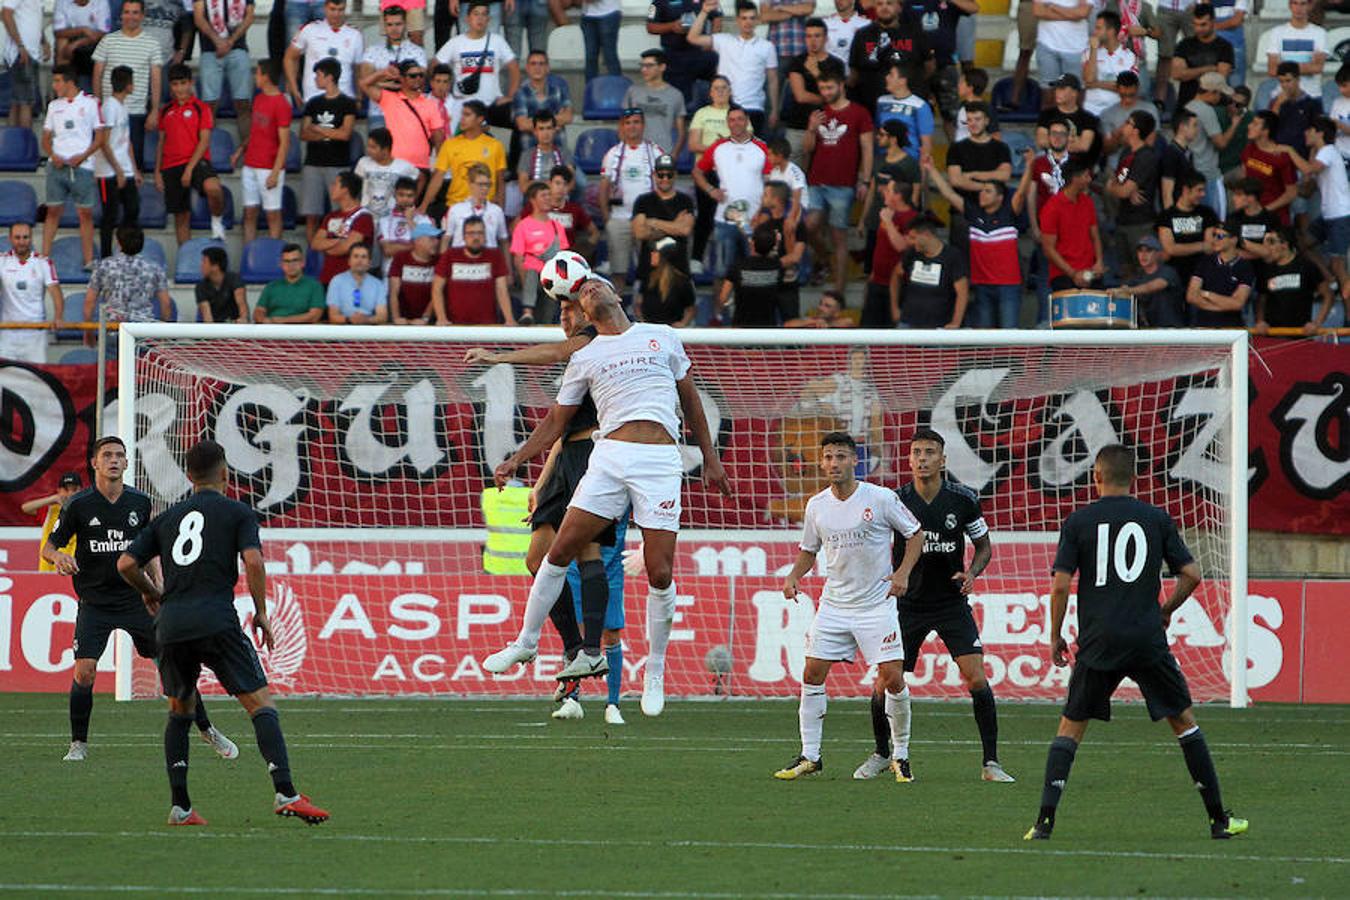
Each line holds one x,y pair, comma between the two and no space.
1201,766
986,718
594,599
176,758
199,713
1057,765
564,618
881,726
81,707
272,746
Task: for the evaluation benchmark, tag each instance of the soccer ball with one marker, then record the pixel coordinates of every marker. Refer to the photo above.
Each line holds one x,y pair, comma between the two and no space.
563,274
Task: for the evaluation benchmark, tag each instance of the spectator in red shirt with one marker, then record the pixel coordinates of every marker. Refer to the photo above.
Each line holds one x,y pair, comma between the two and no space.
347,225
581,231
411,274
1265,161
1070,238
264,152
183,158
479,274
881,301
839,141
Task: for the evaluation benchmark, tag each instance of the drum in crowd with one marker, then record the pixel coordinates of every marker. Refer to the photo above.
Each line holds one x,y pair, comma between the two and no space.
1091,309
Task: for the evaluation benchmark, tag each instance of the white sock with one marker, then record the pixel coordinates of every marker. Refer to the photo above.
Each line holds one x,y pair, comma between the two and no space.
548,585
217,222
897,711
660,620
812,716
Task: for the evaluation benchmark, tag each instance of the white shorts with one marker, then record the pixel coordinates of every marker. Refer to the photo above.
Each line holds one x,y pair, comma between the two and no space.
648,476
837,634
24,345
255,188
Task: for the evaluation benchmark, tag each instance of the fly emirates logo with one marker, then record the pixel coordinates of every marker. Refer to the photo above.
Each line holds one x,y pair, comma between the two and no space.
115,542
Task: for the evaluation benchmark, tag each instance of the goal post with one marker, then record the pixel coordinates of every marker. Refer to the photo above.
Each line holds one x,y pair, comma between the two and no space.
366,451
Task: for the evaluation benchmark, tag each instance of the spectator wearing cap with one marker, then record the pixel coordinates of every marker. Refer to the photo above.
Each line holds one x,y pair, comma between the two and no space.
1222,283
410,276
1160,299
672,21
1299,41
50,506
220,294
839,141
1061,36
627,171
1134,187
748,61
534,241
787,27
1204,51
1114,116
1296,111
413,119
662,104
1085,131
1070,238
1211,136
356,297
934,288
661,213
1106,58
667,296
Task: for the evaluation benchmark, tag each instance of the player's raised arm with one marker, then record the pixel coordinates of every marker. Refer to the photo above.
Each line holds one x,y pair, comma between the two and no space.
256,576
713,473
549,429
533,355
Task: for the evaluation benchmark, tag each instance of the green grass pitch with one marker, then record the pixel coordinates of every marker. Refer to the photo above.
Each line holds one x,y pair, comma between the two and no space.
471,798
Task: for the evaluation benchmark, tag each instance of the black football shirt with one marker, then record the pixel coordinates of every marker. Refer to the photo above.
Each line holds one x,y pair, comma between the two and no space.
953,516
198,542
1118,546
102,531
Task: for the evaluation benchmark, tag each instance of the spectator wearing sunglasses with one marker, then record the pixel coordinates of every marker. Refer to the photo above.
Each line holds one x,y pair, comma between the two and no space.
627,172
1221,285
413,118
663,213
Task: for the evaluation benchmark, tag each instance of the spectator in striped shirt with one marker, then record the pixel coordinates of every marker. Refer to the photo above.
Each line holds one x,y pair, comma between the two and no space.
132,47
787,27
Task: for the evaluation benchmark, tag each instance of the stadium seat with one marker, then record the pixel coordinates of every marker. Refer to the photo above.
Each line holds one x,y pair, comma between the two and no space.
313,263
222,148
685,163
153,214
603,99
592,146
70,215
1027,111
18,150
358,145
1018,143
18,203
151,148
566,49
154,251
289,209
293,161
79,356
69,260
261,262
188,264
71,311
200,217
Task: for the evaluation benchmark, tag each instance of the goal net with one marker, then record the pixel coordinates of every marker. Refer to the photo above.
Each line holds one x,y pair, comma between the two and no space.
367,453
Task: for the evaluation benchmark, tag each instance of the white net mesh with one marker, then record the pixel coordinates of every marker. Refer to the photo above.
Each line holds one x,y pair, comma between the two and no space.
366,461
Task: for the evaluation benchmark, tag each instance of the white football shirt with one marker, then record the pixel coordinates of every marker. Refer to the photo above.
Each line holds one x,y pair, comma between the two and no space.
118,123
73,124
631,377
488,56
631,172
318,41
494,222
23,287
855,535
746,64
839,33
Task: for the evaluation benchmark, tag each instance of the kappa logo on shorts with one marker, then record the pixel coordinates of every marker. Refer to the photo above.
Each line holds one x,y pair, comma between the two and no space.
666,505
889,639
867,514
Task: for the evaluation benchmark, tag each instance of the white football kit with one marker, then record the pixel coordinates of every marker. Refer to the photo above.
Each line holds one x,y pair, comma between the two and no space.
631,377
856,612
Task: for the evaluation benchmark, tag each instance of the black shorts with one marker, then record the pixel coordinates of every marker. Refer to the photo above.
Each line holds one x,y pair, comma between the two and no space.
93,625
1162,684
953,622
551,504
228,653
178,198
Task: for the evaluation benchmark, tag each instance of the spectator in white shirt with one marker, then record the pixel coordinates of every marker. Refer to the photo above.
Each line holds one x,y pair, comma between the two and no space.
72,133
114,167
749,62
78,26
627,171
25,48
478,58
1061,37
25,279
1301,42
1106,58
394,49
840,29
331,39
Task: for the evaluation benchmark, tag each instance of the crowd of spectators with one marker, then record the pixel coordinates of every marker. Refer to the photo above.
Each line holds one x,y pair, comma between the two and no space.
858,151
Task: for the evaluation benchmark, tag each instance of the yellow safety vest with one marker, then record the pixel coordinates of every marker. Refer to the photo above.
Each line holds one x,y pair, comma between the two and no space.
53,513
508,535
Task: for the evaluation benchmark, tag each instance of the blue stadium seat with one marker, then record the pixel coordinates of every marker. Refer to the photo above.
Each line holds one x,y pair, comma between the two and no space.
69,260
18,150
71,311
4,244
151,148
358,146
153,214
79,356
222,148
603,97
293,162
289,209
70,216
1027,111
188,267
685,163
18,203
201,214
1018,142
1330,91
6,93
261,262
592,146
154,251
313,263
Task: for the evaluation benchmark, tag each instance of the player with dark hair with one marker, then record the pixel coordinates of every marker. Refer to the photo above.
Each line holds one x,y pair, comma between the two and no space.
103,520
853,522
1118,545
936,601
198,541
